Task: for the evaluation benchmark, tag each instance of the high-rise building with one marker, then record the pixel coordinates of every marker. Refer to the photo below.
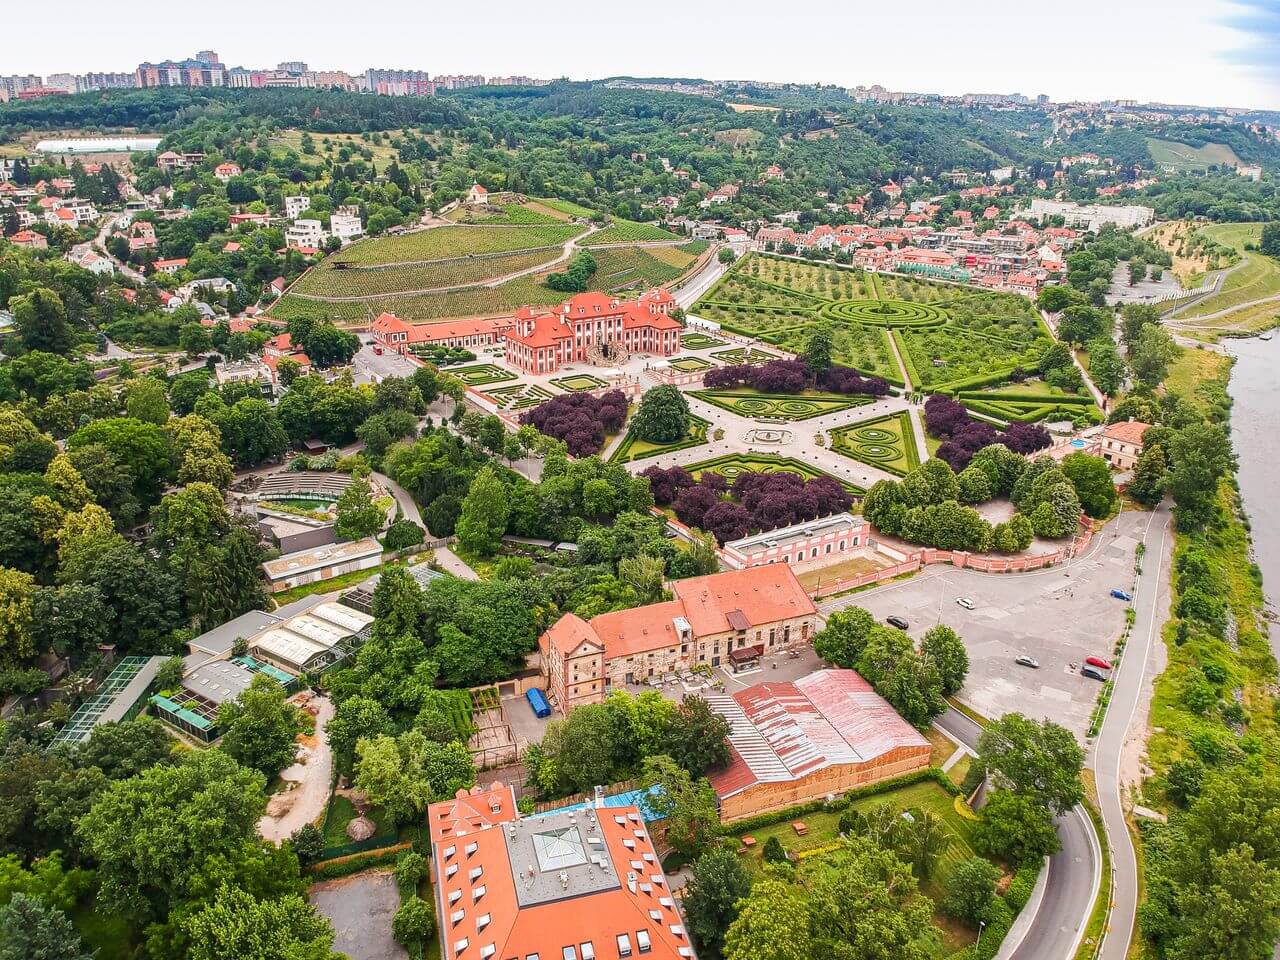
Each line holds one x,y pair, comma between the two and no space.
292,66
63,81
208,56
204,71
11,86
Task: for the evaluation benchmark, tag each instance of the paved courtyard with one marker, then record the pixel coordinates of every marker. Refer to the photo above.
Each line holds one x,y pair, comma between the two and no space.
1059,616
360,909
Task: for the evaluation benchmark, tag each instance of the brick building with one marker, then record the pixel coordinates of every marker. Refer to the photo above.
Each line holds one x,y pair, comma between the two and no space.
571,885
731,617
826,733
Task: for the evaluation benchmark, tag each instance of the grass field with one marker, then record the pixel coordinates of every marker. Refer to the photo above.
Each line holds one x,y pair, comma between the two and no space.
1256,278
329,144
441,243
888,443
1182,157
628,231
482,374
567,207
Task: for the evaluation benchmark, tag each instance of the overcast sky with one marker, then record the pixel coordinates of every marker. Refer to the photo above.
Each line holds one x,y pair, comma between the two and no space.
1208,52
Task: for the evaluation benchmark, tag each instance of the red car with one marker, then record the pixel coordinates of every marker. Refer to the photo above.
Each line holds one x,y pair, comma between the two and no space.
1098,662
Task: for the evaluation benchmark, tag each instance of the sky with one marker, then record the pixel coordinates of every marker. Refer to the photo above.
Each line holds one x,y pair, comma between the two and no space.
1207,52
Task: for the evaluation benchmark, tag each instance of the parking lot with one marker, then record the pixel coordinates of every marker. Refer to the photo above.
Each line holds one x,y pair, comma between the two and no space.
1058,616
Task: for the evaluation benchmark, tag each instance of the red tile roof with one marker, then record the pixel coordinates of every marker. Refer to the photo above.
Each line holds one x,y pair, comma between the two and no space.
1128,431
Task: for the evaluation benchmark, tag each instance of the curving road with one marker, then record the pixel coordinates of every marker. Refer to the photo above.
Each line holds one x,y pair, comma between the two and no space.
1070,884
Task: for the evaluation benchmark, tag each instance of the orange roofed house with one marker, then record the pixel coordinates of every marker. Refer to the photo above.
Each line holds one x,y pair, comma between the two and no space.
731,617
570,885
540,341
1122,443
825,733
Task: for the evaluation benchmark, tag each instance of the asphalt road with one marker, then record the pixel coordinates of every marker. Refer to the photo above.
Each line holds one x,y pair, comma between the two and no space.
1058,926
1151,605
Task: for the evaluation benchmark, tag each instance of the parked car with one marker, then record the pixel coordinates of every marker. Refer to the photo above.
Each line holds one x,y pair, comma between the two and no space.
1098,662
896,621
1094,673
1025,661
965,602
1122,595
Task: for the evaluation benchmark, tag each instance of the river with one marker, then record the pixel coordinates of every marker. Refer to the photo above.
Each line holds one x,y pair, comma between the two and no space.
1255,431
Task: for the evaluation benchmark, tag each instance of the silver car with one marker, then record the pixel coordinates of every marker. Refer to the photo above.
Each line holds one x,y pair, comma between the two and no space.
1026,661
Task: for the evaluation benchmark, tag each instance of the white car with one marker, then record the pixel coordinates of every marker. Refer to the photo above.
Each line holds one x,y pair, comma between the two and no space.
965,602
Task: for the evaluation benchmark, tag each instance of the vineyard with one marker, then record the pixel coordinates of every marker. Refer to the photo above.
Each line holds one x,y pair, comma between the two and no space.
628,231
442,243
513,214
624,268
329,280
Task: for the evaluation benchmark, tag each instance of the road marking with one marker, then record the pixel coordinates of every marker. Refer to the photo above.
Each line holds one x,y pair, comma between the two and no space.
1095,844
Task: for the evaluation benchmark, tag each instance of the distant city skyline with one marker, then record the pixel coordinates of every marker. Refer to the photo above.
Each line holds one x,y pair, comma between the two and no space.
1219,54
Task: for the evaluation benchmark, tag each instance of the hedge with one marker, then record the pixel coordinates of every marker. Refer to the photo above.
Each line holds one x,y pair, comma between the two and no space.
762,820
1012,396
332,869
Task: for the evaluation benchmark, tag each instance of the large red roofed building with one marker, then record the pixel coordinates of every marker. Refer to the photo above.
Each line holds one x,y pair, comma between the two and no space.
791,743
732,618
401,336
582,884
542,342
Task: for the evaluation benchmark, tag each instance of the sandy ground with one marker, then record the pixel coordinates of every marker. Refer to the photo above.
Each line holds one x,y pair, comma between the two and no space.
312,777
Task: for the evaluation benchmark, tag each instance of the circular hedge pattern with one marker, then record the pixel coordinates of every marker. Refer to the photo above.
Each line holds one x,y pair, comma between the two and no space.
885,313
873,445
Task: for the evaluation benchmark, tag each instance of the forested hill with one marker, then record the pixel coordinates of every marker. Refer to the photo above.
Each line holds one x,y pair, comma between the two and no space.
1131,145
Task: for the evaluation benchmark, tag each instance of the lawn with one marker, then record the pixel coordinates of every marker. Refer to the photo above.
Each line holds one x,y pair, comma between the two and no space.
1182,157
341,812
578,382
887,443
823,827
633,448
762,406
844,570
482,374
732,465
752,355
329,144
1256,278
699,341
441,243
518,396
689,364
628,231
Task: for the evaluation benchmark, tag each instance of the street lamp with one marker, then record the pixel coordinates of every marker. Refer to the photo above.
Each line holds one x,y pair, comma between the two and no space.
981,924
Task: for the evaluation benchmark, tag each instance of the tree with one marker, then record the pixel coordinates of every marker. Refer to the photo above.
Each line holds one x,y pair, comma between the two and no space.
41,319
30,929
1200,456
1137,271
1150,356
1015,828
864,903
484,515
1270,244
772,924
1150,476
944,647
1091,477
308,843
414,922
354,718
1080,324
403,775
357,514
718,882
687,807
698,738
1037,759
970,890
238,926
17,595
154,834
146,400
663,416
403,534
581,748
259,727
843,639
818,348
1106,368
726,255
141,447
194,340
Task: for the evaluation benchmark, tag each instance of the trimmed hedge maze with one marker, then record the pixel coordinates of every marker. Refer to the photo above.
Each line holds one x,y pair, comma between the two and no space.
482,374
633,448
885,313
518,396
887,443
689,364
1029,407
771,406
578,382
732,465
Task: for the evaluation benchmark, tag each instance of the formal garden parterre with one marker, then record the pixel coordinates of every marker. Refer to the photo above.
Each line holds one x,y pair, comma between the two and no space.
482,374
887,443
636,448
518,396
578,382
764,406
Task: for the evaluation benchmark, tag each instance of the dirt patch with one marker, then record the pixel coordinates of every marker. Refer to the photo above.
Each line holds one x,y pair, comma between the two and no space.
307,781
361,909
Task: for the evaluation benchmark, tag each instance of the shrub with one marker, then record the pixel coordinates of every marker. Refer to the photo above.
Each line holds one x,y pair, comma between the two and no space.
970,890
308,843
414,922
580,419
403,534
773,851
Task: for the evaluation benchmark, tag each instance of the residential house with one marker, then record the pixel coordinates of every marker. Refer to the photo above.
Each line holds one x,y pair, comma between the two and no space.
1122,443
295,206
225,171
